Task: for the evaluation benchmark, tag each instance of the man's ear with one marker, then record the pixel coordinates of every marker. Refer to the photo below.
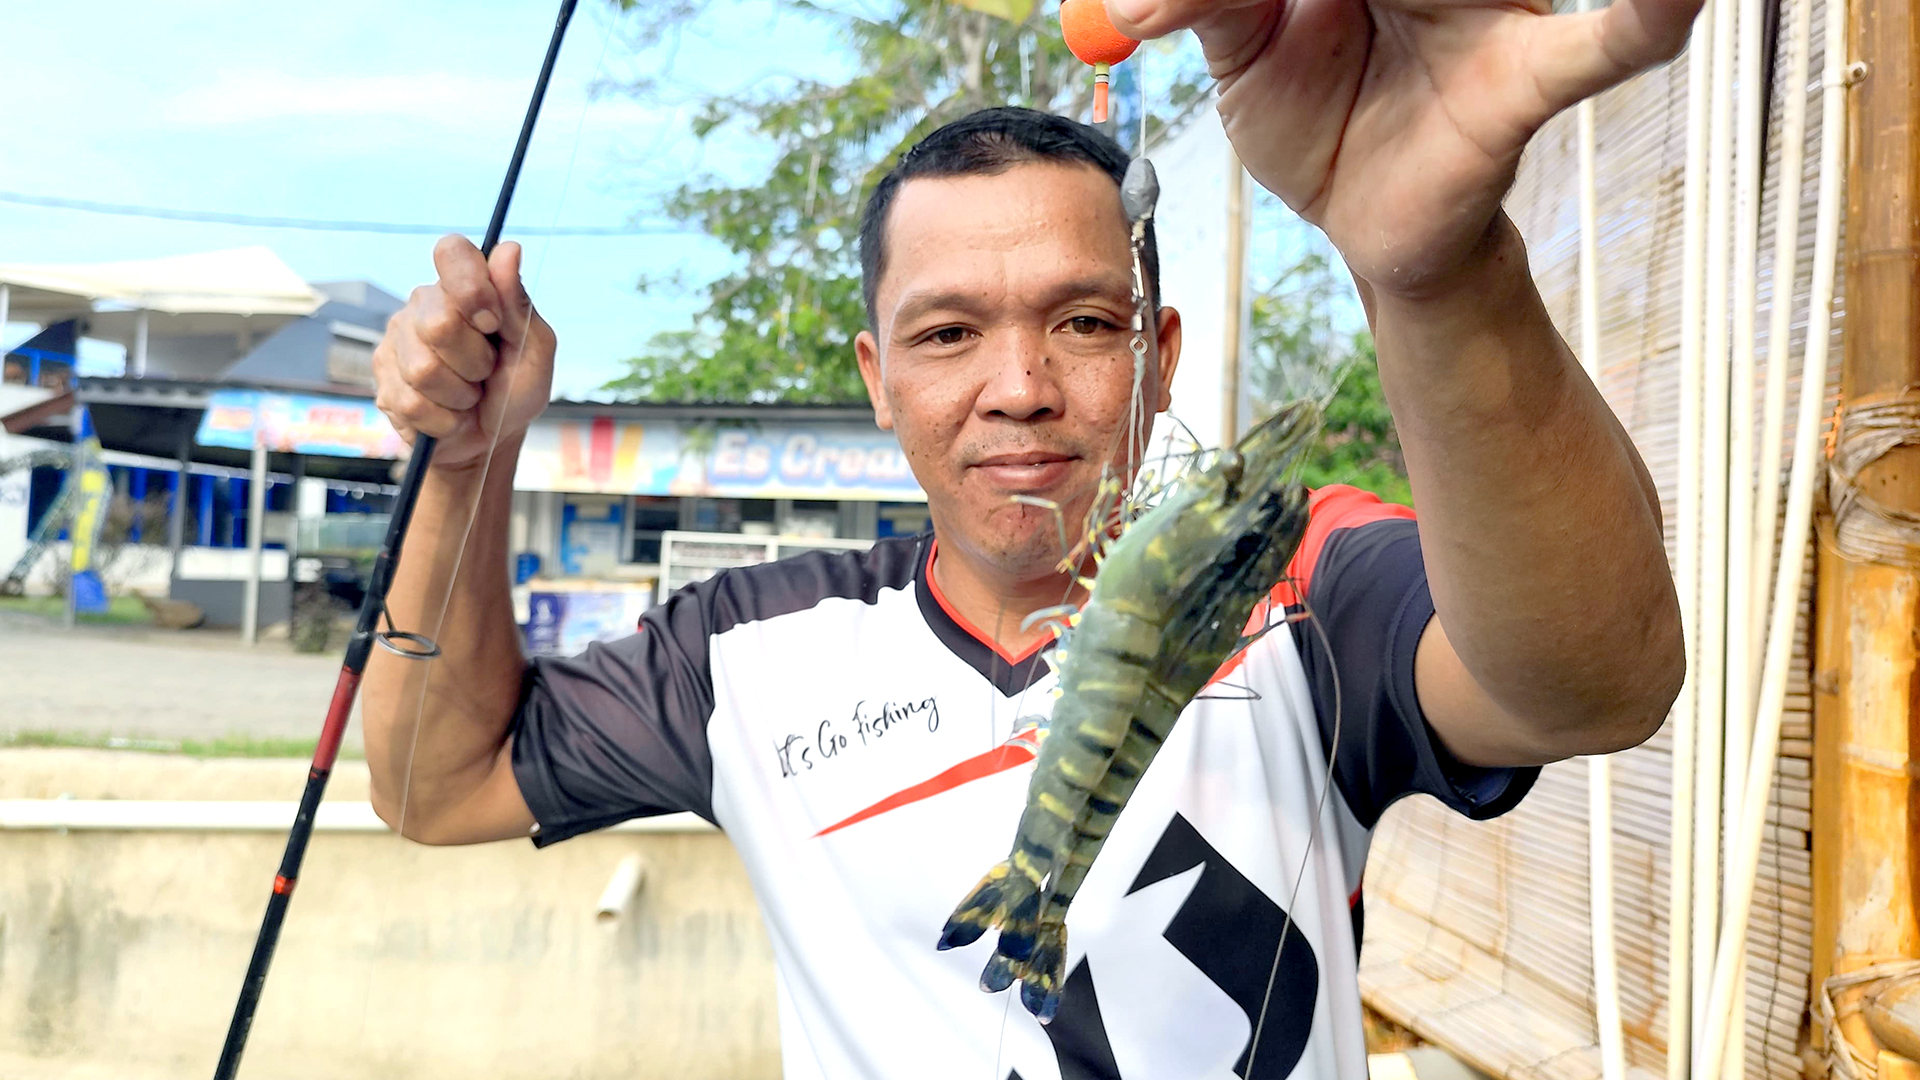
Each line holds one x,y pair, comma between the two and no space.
866,351
1169,356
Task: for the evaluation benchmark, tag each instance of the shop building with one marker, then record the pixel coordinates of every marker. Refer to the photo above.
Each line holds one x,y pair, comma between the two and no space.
240,376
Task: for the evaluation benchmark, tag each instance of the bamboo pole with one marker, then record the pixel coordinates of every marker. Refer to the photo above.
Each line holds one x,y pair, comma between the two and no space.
1865,801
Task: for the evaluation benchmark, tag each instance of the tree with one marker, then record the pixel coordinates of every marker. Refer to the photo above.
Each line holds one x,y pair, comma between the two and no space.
780,325
1300,349
1358,445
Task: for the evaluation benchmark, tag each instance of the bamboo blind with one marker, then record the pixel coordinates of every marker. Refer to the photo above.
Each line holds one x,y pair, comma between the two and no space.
1479,934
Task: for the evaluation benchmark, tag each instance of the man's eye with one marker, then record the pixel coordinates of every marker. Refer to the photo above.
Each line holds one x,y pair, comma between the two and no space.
1087,324
948,335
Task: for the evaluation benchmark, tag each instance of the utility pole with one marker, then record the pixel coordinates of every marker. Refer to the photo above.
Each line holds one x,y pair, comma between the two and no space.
1230,335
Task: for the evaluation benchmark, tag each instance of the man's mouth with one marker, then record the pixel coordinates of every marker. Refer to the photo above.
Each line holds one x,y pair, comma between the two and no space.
1024,472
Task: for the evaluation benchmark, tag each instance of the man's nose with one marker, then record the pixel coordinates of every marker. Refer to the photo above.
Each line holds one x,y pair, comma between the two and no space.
1022,382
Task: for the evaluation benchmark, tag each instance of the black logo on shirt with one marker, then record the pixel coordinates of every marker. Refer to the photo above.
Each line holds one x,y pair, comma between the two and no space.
1230,930
831,740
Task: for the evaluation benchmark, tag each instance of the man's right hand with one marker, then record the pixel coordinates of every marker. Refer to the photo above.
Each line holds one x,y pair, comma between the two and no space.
436,373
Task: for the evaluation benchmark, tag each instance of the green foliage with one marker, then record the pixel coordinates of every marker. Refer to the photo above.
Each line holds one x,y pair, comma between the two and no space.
121,610
1358,445
1299,349
780,325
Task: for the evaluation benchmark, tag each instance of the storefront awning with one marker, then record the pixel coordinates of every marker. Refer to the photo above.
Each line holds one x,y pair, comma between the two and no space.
239,281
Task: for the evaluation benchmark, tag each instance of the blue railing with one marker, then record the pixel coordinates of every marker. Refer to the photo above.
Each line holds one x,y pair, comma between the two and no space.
26,366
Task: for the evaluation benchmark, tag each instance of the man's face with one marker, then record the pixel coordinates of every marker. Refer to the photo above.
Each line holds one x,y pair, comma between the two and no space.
1001,357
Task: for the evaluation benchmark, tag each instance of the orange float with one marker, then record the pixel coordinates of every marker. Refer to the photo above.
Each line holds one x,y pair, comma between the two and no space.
1091,35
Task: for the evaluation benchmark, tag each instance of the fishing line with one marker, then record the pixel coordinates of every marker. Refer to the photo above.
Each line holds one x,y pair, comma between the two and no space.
1313,835
439,622
486,464
367,632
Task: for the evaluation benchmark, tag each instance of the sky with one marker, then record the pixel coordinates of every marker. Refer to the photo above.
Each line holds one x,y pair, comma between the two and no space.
407,112
371,110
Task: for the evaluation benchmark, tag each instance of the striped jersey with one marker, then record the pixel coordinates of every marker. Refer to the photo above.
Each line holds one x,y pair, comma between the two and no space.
867,750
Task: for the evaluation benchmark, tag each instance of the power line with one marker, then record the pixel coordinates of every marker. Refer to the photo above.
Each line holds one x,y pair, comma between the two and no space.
325,224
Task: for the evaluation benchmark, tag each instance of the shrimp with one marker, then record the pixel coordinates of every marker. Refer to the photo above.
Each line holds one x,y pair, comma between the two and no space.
1165,611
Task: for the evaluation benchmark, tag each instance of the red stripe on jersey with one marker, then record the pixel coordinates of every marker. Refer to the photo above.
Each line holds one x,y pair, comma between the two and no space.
1329,509
1006,756
979,635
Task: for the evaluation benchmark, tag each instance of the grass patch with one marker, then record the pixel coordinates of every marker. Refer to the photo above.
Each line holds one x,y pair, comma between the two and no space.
121,610
224,746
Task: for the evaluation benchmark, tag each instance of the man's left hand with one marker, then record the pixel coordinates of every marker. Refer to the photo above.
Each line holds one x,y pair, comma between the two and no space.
1396,125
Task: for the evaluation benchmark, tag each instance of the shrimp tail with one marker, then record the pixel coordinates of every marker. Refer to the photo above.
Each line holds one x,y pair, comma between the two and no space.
1045,972
1000,973
1003,899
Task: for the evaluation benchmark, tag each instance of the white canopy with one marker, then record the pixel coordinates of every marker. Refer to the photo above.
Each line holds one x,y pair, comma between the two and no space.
239,281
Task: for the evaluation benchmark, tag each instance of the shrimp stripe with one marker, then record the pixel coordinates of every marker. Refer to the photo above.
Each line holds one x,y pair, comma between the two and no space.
1168,604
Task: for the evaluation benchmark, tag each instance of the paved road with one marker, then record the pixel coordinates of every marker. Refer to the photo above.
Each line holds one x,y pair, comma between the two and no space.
136,681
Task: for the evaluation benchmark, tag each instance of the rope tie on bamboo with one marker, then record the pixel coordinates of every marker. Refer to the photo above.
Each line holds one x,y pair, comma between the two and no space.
1845,1059
1866,430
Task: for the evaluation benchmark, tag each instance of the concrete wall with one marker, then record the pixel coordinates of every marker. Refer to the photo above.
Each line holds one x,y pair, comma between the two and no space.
121,953
15,488
141,567
193,356
225,602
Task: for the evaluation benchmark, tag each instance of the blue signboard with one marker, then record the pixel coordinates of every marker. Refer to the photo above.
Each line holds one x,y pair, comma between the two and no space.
298,424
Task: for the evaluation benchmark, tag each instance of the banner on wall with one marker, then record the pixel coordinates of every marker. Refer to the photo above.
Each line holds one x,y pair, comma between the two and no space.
93,488
769,461
299,424
564,623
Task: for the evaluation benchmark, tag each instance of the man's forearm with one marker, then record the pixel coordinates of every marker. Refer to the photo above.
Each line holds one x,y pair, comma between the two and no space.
1539,524
464,699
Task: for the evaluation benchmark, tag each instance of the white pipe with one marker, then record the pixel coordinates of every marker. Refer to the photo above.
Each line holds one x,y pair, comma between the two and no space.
1606,966
1232,370
621,888
1713,503
1680,1011
1786,271
139,361
1606,976
256,536
1746,244
1786,596
1739,530
170,815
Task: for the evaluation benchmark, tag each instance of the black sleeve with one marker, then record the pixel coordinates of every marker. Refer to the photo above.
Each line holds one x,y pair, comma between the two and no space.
620,731
1367,590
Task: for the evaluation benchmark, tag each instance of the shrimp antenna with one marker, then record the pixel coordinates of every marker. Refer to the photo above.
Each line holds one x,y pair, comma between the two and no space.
1059,518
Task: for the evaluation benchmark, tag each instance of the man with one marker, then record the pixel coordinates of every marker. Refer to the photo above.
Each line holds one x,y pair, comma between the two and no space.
856,722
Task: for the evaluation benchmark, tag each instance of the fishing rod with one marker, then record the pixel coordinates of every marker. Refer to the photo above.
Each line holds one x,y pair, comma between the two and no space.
366,632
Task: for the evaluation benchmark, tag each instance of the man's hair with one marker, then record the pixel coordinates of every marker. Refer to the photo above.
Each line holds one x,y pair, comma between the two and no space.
987,143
